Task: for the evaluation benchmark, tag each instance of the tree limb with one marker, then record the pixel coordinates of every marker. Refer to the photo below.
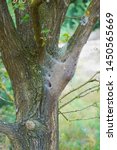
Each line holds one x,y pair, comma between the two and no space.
8,32
6,128
56,32
14,134
84,108
5,16
63,115
83,31
82,94
68,54
35,21
24,28
82,85
9,130
5,20
8,35
37,27
83,119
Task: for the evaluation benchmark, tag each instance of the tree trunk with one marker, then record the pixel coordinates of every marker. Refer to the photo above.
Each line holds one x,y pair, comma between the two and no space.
37,134
36,109
37,120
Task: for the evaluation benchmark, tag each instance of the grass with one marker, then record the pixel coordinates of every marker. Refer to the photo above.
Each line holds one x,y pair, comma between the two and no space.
80,134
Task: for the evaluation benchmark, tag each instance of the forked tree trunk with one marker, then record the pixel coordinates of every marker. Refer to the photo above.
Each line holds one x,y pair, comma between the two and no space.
36,112
36,106
39,70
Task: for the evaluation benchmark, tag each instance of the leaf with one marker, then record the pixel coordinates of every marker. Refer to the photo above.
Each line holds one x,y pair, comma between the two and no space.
25,18
65,37
45,31
19,5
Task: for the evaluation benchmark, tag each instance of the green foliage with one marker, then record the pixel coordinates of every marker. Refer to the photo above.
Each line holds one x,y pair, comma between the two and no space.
11,10
25,18
73,16
6,93
75,11
45,32
65,37
81,134
6,96
19,5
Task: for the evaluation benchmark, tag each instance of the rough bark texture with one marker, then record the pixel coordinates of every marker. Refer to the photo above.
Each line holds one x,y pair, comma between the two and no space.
39,70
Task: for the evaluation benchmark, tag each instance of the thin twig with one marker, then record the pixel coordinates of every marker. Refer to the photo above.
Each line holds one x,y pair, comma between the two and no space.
82,119
73,17
88,93
63,116
82,85
1,98
80,96
89,89
2,87
74,111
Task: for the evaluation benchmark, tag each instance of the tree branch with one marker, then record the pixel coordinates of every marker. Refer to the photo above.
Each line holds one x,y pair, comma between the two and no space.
61,12
8,32
9,130
63,115
82,85
24,27
5,20
35,20
68,55
86,24
58,10
83,119
14,134
6,128
37,27
8,35
5,16
82,94
84,108
79,38
43,16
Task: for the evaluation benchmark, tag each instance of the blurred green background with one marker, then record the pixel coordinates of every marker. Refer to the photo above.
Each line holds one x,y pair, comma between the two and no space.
79,130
